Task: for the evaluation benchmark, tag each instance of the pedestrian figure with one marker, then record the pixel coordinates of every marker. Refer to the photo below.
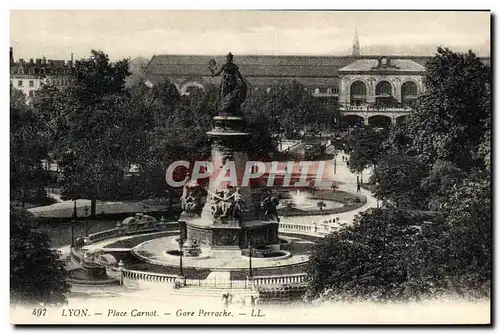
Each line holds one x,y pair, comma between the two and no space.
359,188
242,301
226,298
253,301
343,158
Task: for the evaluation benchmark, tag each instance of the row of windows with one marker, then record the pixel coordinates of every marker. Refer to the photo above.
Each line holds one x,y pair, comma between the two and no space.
41,71
384,88
31,83
325,90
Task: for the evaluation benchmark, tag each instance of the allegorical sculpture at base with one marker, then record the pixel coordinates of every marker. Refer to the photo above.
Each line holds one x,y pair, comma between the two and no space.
193,196
233,89
226,204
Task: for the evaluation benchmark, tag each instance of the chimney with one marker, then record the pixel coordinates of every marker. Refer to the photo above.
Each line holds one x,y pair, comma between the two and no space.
11,55
44,60
38,61
21,61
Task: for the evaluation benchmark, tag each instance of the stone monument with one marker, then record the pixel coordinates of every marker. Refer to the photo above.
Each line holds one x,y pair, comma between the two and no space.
227,220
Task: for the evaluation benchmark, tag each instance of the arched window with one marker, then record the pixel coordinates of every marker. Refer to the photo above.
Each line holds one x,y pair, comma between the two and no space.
358,88
42,70
409,92
358,93
409,88
383,88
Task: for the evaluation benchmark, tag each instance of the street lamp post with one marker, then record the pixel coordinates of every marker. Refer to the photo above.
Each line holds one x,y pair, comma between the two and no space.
73,222
335,164
86,210
181,243
250,259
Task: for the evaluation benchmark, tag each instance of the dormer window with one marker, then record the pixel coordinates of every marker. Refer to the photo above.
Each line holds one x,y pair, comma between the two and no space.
32,70
20,70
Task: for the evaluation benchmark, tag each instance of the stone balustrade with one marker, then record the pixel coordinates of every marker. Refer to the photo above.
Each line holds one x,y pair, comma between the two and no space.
104,235
219,284
373,108
298,228
135,275
280,280
148,277
116,232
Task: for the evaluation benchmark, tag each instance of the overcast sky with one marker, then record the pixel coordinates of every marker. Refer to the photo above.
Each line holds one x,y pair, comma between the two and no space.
57,34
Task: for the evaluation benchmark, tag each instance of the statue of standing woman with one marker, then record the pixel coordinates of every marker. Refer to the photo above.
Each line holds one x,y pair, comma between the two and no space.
233,89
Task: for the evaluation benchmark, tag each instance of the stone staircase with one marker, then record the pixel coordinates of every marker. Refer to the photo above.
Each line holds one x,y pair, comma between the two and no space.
215,293
215,285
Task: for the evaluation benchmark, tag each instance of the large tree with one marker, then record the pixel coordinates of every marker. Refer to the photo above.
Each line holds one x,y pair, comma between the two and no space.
37,275
101,130
378,257
28,147
258,113
365,147
294,109
398,179
447,133
450,117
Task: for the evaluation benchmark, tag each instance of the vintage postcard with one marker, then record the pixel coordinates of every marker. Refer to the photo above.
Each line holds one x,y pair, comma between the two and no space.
250,167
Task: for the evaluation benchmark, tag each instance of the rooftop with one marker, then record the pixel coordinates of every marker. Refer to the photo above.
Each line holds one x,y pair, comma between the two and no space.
394,65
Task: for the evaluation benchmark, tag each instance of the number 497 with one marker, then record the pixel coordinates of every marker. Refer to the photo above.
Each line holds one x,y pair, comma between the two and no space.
39,312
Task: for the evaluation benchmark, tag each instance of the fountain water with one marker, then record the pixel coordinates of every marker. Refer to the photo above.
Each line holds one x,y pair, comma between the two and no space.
299,198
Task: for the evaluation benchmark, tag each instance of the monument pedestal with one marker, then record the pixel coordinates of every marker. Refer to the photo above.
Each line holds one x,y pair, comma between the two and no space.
228,221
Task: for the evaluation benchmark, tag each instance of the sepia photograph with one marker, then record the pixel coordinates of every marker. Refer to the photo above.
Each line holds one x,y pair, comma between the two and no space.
250,167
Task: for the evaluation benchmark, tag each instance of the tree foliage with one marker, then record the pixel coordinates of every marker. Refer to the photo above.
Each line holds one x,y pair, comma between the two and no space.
448,132
451,117
27,149
397,179
293,109
365,147
393,254
375,258
37,275
99,129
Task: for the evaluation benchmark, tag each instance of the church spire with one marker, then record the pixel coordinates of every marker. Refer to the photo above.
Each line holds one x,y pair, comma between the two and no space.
355,45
